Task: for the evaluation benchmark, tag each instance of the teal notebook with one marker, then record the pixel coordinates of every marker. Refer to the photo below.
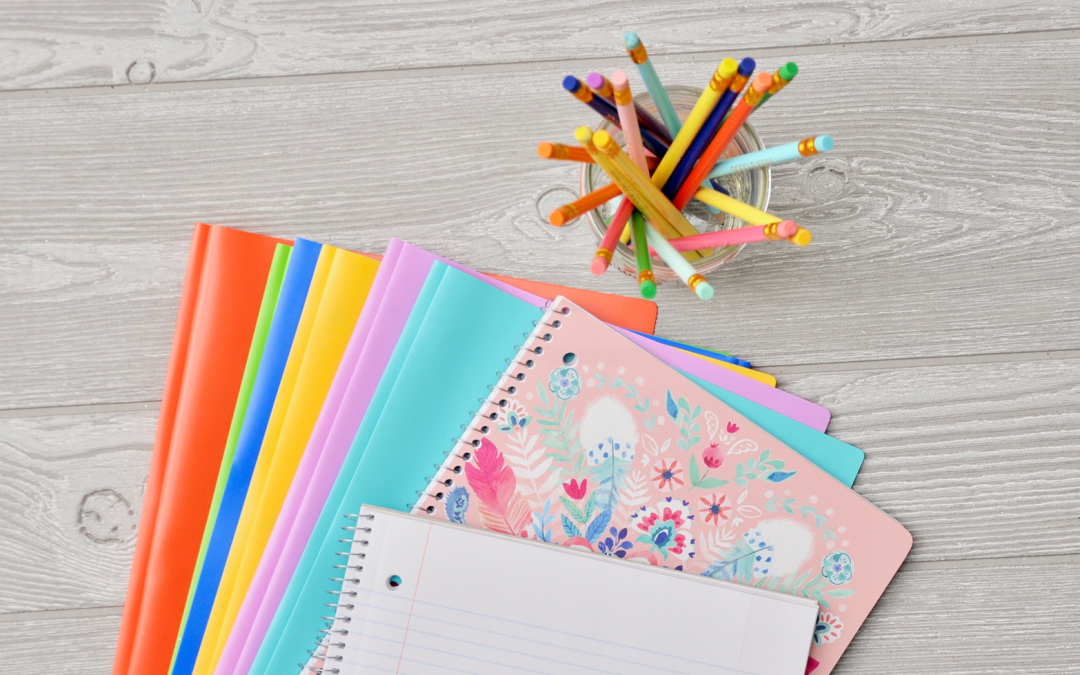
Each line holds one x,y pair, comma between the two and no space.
455,344
838,458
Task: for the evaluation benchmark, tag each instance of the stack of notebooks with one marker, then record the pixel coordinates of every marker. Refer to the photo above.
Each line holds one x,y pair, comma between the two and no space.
371,464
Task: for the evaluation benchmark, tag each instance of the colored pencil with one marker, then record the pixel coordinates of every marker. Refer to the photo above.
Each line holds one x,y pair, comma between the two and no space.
634,183
770,156
624,99
646,280
686,272
652,82
785,229
624,105
746,213
601,86
709,128
781,78
606,109
606,248
567,212
719,83
570,153
727,131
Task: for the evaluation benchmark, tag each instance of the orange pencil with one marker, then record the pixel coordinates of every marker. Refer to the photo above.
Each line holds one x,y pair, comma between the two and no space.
586,203
576,154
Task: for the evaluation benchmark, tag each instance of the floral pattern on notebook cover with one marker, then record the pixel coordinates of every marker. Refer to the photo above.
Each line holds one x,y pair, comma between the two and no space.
604,448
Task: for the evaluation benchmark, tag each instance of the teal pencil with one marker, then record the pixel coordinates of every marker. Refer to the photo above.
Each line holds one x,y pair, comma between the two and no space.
652,83
775,155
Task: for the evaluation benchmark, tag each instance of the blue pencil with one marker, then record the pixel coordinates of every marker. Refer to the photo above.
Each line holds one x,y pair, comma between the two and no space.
607,110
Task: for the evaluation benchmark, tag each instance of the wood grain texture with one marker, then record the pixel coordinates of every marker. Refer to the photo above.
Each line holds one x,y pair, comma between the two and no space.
977,461
1020,619
71,488
944,223
64,43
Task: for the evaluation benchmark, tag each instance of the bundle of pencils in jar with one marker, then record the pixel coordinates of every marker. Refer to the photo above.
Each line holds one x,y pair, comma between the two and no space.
663,166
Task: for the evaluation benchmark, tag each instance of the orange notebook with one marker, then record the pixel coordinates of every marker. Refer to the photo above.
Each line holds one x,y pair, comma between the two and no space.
219,305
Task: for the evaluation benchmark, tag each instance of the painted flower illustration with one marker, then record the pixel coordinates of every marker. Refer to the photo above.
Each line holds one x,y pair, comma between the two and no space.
565,383
827,629
715,508
667,475
665,528
838,568
732,427
574,489
713,456
512,416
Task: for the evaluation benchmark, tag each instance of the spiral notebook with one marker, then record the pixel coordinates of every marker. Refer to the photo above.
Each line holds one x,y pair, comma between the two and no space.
589,442
402,435
427,598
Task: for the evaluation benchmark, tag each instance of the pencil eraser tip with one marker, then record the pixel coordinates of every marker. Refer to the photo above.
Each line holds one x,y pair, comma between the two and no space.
599,265
727,68
746,66
704,290
546,150
558,219
785,229
762,82
823,143
619,80
583,135
571,83
631,40
595,81
788,71
648,289
801,238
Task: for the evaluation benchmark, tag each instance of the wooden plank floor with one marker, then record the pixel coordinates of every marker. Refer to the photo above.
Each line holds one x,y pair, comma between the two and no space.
937,313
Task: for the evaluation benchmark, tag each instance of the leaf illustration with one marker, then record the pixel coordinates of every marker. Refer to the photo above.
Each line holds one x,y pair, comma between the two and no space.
502,507
743,446
596,528
711,483
840,593
569,528
457,503
712,424
695,471
573,510
742,497
672,409
779,476
749,511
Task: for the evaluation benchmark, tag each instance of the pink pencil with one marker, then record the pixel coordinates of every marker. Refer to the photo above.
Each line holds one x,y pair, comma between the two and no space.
624,103
785,229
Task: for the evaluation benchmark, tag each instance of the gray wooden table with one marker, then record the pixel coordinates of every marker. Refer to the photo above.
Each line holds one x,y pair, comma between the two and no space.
937,313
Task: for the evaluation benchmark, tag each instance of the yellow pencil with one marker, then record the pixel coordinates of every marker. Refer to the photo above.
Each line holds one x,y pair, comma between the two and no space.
634,183
746,213
705,103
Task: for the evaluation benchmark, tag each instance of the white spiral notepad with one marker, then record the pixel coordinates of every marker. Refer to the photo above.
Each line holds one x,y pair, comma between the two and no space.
422,597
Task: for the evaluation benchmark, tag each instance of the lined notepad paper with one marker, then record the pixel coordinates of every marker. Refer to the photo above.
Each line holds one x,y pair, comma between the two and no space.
423,597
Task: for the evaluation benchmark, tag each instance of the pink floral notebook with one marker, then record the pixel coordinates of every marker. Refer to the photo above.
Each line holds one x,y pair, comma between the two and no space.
589,442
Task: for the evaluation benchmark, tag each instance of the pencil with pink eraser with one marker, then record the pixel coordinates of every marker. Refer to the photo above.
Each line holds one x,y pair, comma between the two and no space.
785,229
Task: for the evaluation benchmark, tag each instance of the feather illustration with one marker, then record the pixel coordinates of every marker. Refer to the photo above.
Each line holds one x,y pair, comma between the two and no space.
494,485
672,409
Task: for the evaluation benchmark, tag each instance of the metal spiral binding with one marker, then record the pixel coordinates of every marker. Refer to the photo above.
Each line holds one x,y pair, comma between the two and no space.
342,596
506,385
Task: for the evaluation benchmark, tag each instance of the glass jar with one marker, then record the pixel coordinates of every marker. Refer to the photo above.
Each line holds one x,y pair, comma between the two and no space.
751,187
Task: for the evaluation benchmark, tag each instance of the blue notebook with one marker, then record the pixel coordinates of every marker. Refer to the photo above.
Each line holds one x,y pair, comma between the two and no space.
279,339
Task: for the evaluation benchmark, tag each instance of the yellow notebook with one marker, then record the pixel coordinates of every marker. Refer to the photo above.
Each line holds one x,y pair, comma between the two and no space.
338,290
